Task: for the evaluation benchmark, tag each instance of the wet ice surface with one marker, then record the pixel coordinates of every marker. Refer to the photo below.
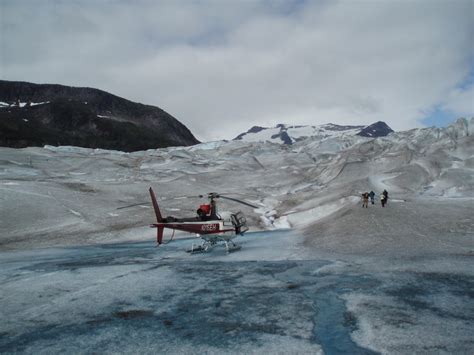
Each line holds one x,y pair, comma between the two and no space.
133,297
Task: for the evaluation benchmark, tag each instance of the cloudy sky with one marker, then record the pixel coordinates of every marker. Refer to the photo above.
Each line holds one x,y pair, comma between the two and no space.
222,66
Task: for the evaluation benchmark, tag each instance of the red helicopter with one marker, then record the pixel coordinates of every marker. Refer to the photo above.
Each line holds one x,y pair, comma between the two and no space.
208,224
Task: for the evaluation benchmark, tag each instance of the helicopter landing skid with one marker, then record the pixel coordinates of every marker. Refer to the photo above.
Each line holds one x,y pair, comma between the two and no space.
231,247
196,249
200,248
204,247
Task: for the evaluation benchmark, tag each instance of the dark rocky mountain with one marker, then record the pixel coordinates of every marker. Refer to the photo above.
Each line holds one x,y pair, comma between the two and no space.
377,129
40,114
254,129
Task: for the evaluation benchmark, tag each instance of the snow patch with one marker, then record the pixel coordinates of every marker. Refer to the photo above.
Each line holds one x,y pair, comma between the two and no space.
207,146
22,104
312,215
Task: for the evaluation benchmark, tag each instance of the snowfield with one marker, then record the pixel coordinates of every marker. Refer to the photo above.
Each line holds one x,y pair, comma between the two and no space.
317,273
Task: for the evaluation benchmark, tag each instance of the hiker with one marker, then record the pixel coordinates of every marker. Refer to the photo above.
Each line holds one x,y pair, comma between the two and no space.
365,200
372,196
383,200
385,193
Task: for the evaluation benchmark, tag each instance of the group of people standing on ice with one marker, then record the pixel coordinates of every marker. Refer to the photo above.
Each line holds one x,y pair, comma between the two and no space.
371,195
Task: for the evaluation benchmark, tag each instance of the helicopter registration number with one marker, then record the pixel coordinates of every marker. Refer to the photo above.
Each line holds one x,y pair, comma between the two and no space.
209,227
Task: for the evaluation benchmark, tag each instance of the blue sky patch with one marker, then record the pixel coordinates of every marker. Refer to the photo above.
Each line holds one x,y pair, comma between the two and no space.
439,117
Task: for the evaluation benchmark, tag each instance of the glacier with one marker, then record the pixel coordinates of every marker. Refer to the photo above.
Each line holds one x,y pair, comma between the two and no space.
316,274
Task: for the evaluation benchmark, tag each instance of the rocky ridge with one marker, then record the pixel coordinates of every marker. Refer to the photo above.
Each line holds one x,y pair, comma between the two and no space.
46,114
290,134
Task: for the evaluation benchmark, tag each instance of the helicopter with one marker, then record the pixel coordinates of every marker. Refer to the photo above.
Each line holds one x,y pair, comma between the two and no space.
208,224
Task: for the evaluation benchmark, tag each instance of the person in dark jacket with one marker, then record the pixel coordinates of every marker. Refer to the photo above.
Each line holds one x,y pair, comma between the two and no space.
365,199
385,194
372,196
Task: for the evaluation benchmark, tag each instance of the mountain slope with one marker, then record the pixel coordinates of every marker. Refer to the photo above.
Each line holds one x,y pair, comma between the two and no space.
44,114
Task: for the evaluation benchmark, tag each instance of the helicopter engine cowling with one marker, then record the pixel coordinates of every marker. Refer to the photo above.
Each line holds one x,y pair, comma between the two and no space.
240,223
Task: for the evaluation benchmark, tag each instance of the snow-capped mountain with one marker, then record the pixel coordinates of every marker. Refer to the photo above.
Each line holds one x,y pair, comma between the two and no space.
289,134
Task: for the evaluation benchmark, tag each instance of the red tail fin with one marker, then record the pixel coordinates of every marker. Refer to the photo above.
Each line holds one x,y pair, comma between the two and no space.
156,208
159,229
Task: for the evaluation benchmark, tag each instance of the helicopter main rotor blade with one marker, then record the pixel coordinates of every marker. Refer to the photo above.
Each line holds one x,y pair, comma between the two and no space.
239,201
174,198
135,204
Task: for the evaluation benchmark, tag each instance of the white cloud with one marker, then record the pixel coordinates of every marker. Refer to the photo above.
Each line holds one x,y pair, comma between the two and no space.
222,66
461,102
